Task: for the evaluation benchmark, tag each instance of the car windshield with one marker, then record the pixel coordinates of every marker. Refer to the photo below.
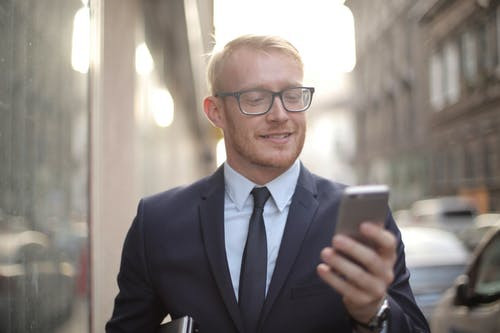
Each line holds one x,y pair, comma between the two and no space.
488,278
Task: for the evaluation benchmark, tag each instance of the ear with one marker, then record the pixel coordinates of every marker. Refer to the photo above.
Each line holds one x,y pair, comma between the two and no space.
214,111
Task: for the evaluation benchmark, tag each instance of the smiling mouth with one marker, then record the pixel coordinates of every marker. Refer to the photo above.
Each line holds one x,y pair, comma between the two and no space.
276,136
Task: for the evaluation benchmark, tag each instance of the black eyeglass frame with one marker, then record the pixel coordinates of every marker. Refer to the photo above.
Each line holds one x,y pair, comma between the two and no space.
237,94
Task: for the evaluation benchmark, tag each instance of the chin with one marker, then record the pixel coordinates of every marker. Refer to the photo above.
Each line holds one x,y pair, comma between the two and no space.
276,161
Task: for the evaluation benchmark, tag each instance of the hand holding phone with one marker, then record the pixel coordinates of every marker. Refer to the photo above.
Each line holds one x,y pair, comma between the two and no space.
359,280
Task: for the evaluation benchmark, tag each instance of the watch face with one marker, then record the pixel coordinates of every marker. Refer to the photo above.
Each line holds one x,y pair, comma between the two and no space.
377,322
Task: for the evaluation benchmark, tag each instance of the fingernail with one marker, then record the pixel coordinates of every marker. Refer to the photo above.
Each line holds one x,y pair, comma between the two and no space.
369,226
340,239
326,253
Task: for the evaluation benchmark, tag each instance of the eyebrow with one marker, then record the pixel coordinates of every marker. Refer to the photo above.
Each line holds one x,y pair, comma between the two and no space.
261,87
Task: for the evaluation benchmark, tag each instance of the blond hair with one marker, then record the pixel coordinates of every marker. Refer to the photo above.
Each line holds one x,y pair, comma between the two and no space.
257,42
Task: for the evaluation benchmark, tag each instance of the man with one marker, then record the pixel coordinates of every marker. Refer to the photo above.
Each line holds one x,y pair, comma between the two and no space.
188,249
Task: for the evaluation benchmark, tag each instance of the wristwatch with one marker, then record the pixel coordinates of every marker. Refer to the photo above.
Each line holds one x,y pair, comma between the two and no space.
378,321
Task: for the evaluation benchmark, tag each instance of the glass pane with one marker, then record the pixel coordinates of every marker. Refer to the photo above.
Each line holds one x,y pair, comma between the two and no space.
498,35
452,80
469,56
43,170
488,278
434,278
436,82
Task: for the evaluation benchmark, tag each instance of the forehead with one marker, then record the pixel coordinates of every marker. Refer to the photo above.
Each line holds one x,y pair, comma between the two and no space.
248,68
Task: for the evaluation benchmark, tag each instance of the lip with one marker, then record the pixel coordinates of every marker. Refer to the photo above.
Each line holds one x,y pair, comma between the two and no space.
281,137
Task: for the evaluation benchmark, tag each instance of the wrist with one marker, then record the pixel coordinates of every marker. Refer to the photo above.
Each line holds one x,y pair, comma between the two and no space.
376,323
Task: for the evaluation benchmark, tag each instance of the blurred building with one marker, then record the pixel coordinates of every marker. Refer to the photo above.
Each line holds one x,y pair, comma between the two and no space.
149,132
428,98
44,167
100,104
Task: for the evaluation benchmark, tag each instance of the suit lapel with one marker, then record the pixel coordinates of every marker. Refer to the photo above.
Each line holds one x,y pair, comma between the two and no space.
300,215
212,226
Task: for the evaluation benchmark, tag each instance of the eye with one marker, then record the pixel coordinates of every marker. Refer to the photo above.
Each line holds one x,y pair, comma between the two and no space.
254,97
293,96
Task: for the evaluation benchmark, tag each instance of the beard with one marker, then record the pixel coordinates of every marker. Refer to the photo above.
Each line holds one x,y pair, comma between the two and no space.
249,150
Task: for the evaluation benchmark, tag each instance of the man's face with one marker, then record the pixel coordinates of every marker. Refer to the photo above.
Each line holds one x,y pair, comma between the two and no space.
261,147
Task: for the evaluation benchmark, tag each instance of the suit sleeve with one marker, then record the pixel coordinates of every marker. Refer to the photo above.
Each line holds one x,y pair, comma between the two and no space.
137,308
405,316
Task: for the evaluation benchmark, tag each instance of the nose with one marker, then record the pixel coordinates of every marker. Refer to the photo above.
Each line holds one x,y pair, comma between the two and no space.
277,112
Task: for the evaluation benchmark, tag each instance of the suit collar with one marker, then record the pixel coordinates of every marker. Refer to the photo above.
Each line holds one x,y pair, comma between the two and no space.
211,210
301,213
238,187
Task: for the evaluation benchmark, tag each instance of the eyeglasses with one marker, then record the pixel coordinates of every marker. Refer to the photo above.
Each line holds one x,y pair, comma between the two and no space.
260,101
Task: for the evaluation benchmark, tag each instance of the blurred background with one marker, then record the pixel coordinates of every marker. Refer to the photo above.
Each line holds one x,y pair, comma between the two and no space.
100,105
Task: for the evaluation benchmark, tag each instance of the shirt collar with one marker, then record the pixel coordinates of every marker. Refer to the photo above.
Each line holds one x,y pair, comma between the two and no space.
238,187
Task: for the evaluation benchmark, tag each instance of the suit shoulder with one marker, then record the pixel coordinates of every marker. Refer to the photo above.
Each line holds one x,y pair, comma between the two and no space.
326,185
176,195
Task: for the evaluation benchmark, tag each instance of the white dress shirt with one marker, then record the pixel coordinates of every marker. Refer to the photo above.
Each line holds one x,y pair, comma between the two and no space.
238,207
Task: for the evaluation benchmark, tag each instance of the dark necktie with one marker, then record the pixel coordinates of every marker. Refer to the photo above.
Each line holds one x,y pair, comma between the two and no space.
252,287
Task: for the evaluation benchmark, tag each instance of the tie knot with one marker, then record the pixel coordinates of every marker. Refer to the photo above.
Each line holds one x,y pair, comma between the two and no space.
260,196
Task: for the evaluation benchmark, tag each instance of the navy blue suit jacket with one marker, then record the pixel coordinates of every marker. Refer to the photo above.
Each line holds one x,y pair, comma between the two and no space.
174,262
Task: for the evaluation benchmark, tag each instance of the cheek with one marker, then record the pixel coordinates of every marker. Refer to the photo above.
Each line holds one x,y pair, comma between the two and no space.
300,118
238,128
300,121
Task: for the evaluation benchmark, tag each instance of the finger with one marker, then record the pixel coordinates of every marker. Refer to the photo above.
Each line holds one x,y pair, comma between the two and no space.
386,246
354,273
384,240
349,291
366,257
339,263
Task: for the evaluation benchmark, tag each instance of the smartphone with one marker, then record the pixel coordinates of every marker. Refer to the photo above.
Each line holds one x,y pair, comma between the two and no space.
360,204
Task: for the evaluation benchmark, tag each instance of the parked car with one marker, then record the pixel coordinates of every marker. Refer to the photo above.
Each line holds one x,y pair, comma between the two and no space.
452,213
472,305
434,258
403,217
36,283
481,225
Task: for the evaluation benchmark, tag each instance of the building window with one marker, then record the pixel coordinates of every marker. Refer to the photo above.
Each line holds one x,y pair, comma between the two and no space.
492,41
490,158
452,72
472,162
498,40
439,167
469,57
494,157
486,47
457,164
436,81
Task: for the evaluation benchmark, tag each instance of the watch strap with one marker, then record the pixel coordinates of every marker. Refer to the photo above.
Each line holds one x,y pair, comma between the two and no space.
378,321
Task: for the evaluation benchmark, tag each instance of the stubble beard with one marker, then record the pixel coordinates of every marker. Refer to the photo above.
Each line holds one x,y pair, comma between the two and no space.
274,159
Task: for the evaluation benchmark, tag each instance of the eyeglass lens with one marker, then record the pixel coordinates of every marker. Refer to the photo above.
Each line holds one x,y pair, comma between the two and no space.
260,101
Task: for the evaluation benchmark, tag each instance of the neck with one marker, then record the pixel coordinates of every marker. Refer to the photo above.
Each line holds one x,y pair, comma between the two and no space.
260,174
